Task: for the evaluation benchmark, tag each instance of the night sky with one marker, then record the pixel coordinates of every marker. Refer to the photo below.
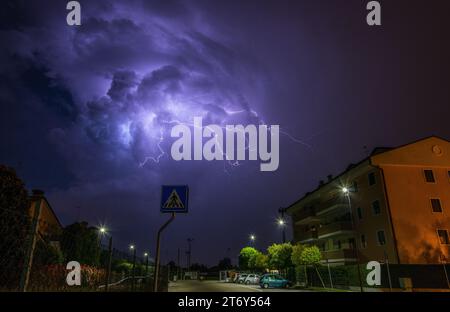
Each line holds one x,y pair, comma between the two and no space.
86,111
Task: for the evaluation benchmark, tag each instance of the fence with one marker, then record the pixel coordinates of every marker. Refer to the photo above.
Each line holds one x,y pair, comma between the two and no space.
429,276
34,254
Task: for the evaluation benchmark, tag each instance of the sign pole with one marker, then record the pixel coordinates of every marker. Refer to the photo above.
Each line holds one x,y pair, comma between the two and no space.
158,245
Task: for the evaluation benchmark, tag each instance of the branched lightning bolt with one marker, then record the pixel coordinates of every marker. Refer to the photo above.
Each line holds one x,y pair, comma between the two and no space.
162,153
231,163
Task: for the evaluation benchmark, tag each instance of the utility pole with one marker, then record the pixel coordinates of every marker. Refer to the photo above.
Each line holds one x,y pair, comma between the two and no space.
157,255
347,194
108,272
134,270
189,240
178,264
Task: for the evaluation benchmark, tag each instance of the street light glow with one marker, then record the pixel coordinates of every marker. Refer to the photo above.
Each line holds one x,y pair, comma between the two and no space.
345,190
281,222
145,254
252,237
131,246
102,230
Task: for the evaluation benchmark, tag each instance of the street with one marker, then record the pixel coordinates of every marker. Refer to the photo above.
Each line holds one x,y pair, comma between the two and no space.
216,286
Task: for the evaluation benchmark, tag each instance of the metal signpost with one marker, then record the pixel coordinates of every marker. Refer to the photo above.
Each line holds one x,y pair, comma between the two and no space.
174,198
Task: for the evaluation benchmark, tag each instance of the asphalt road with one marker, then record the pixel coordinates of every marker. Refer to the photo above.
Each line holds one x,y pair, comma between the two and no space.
216,286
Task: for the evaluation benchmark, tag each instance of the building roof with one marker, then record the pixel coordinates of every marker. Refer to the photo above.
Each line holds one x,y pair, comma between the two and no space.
39,194
351,166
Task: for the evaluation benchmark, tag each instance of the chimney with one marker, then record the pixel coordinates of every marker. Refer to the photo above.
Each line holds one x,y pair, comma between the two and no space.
330,177
321,183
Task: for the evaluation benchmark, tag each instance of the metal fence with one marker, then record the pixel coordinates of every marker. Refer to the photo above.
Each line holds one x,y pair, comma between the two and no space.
396,277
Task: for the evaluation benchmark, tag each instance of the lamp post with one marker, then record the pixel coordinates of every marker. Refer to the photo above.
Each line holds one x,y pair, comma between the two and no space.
282,224
104,232
346,192
189,240
252,239
146,263
133,248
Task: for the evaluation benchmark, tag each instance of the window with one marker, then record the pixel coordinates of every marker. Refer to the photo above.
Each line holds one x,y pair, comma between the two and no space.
443,237
429,176
355,186
436,205
351,243
337,244
376,207
363,241
381,237
371,178
359,212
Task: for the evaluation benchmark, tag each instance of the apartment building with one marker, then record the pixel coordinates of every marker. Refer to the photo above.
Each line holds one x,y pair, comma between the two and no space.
393,205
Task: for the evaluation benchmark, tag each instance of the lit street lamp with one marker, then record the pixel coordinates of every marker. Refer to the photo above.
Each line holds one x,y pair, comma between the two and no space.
252,238
346,192
282,224
146,263
104,232
133,248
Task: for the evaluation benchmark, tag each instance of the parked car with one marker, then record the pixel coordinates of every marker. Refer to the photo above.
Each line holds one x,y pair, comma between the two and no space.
273,281
241,278
252,279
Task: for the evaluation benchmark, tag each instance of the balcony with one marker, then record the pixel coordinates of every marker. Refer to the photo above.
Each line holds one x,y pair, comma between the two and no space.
305,237
305,216
339,255
336,228
332,207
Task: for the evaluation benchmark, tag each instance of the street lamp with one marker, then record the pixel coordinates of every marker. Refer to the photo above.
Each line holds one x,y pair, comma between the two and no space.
133,248
146,263
103,232
282,224
252,238
346,192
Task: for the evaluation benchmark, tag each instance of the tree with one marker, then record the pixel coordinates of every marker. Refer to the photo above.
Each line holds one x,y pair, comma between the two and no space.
81,243
280,255
302,256
311,255
261,261
245,255
15,226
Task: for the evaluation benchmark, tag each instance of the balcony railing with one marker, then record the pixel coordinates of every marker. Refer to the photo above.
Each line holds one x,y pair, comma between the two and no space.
335,229
306,215
339,254
332,206
307,236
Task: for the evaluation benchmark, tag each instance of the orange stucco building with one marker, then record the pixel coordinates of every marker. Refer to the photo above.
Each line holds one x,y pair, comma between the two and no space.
400,208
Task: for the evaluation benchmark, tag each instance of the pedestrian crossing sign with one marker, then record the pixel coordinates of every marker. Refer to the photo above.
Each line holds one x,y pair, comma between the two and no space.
174,198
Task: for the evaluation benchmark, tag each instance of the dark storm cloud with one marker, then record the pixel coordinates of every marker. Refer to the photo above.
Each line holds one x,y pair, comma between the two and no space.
87,110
